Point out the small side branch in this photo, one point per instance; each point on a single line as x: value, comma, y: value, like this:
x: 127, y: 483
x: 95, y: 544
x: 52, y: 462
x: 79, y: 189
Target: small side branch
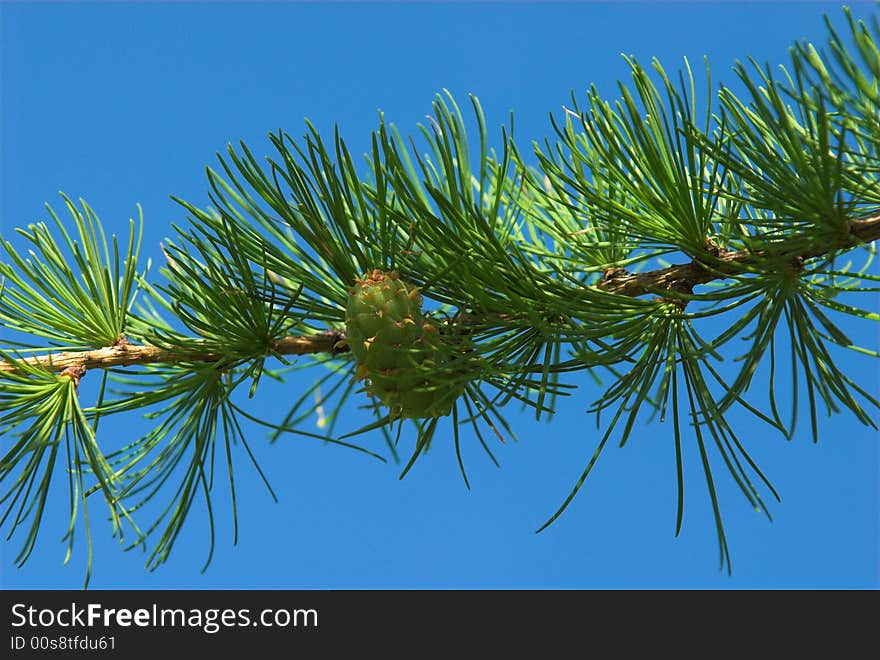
x: 126, y: 355
x: 862, y: 231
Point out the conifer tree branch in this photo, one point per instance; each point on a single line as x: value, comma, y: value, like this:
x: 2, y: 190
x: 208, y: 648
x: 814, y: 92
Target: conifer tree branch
x: 677, y: 277
x: 546, y: 267
x: 126, y: 355
x: 686, y: 276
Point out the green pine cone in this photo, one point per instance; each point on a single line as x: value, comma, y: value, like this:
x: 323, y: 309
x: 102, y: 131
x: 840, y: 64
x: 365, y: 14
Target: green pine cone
x: 395, y: 347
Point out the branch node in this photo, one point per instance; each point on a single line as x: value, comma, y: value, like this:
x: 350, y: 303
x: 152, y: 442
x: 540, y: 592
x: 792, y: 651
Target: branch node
x: 796, y: 266
x: 683, y: 286
x: 338, y: 342
x: 75, y: 373
x: 611, y: 274
x: 717, y: 251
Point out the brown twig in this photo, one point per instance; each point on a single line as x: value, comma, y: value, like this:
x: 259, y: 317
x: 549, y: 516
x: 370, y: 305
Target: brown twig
x: 125, y: 354
x: 726, y: 264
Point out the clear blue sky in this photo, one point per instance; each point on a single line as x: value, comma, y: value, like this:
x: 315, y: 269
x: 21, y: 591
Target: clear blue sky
x: 121, y: 104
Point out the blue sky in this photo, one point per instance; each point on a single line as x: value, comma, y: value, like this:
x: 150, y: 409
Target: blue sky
x: 123, y: 104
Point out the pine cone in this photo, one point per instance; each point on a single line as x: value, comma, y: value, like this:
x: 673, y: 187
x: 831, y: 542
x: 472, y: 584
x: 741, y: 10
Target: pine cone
x: 396, y: 348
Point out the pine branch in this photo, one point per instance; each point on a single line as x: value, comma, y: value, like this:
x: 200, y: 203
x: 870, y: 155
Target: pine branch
x: 748, y: 197
x: 125, y: 354
x: 679, y: 277
x: 687, y: 276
